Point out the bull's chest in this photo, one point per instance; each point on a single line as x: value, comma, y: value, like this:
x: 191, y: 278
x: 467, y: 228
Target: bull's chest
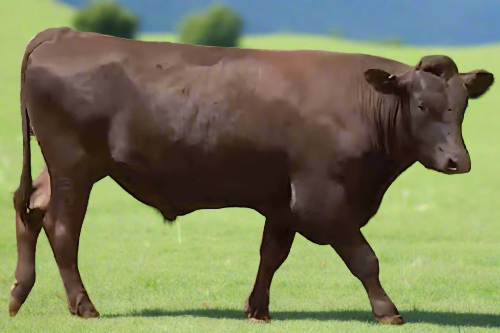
x: 365, y: 182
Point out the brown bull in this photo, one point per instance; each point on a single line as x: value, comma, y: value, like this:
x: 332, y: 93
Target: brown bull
x: 310, y: 139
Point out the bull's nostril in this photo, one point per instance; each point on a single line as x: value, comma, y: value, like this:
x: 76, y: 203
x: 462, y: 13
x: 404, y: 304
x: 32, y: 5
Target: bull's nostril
x: 452, y: 165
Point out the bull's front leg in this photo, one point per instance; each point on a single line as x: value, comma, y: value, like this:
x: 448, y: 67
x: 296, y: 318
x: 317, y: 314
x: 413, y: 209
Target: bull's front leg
x: 361, y: 260
x: 277, y: 240
x: 322, y: 215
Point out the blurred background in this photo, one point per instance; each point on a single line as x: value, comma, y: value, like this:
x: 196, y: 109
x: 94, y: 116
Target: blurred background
x: 423, y: 22
x: 437, y: 237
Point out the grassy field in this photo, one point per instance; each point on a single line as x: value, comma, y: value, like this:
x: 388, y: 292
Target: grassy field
x: 437, y: 237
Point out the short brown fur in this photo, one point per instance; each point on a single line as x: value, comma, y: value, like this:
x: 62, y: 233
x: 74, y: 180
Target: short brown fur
x: 310, y: 139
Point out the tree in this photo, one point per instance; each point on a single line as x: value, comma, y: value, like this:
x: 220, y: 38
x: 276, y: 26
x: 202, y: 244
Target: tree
x: 216, y: 26
x: 107, y: 17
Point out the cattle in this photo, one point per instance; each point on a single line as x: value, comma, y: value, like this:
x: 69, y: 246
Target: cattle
x: 310, y: 139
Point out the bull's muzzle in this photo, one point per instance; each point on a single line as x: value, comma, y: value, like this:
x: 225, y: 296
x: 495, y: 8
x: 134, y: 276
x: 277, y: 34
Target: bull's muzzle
x: 457, y: 163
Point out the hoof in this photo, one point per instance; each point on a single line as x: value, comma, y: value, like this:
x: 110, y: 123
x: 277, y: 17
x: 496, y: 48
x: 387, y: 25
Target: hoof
x: 394, y: 320
x: 260, y: 321
x: 86, y: 312
x: 90, y: 314
x: 14, y: 306
x: 84, y: 308
x: 18, y: 294
x: 256, y: 315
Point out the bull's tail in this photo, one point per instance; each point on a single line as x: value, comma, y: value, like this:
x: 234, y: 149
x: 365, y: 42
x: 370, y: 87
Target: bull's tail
x: 25, y: 190
x: 23, y: 193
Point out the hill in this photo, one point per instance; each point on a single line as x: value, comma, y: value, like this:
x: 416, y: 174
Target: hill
x: 423, y: 22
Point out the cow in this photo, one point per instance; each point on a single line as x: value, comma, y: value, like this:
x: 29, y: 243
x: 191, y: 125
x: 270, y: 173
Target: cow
x: 309, y: 139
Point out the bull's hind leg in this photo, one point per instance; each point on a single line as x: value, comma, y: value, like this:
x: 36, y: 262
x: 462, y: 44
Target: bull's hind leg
x: 359, y: 257
x: 27, y: 235
x: 275, y: 247
x: 73, y: 172
x: 63, y: 224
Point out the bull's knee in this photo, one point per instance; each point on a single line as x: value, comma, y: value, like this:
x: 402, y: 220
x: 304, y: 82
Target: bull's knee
x: 363, y: 263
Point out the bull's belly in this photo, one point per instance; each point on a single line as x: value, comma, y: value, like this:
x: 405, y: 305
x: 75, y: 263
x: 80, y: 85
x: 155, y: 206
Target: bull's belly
x: 180, y: 183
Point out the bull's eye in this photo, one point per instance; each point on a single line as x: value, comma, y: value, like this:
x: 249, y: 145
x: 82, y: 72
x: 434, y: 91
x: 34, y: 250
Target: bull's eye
x: 449, y: 110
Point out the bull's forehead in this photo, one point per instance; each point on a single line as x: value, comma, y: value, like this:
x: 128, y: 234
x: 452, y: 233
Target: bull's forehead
x: 427, y: 82
x: 457, y: 93
x: 430, y: 91
x: 437, y: 93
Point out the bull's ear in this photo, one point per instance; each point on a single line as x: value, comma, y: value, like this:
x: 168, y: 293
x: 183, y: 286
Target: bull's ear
x: 477, y: 82
x: 382, y: 81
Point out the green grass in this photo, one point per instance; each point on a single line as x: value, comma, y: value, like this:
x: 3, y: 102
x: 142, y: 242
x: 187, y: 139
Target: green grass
x: 437, y: 237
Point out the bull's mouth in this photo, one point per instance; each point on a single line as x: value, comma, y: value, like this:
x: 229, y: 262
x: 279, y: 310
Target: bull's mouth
x: 452, y: 165
x: 450, y: 168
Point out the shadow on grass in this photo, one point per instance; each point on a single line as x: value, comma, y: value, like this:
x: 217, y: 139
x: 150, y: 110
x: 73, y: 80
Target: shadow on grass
x: 412, y: 316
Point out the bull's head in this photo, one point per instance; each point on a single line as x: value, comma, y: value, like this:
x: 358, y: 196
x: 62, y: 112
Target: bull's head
x: 436, y: 96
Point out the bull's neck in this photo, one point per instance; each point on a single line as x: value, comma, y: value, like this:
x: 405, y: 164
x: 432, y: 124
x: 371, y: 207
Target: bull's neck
x: 388, y: 131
